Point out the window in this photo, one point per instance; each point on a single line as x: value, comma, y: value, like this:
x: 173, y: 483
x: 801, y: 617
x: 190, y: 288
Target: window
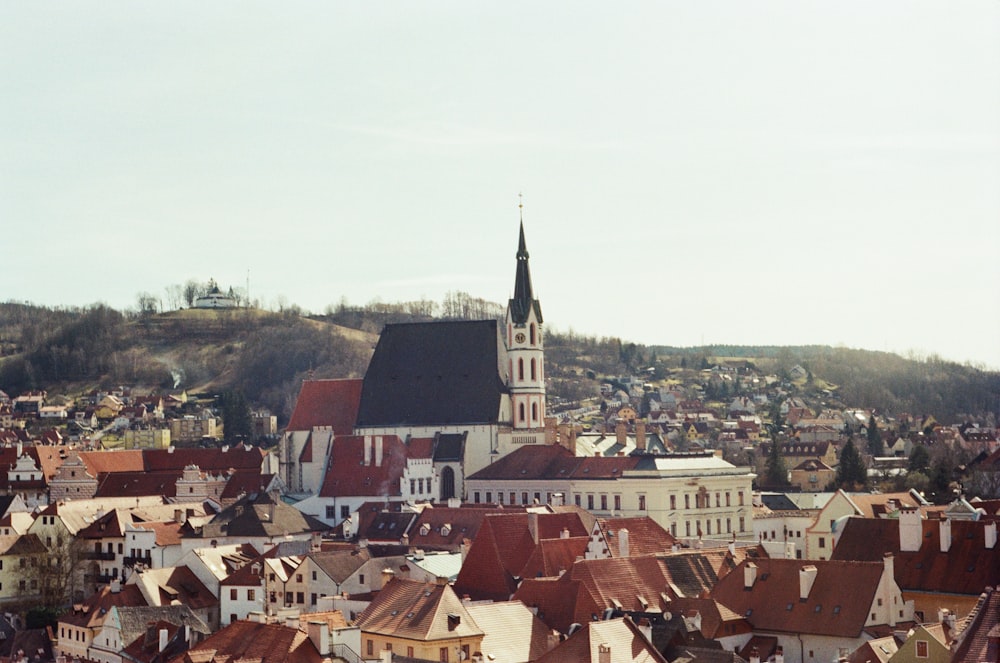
x: 345, y: 511
x: 361, y: 578
x: 687, y: 528
x: 642, y: 502
x: 489, y: 497
x: 604, y: 502
x: 413, y: 486
x: 673, y: 501
x: 298, y: 578
x: 921, y: 649
x: 312, y: 599
x: 520, y: 411
x: 500, y: 498
x: 251, y: 595
x: 524, y: 498
x: 233, y: 593
x: 409, y: 652
x: 729, y: 525
x: 687, y: 501
x: 533, y: 369
x: 370, y: 645
x: 741, y: 524
x: 513, y: 498
x: 300, y: 597
x: 577, y: 498
x: 534, y: 406
x: 718, y: 501
x: 727, y: 499
x: 740, y: 496
x: 532, y: 332
x: 822, y: 544
x: 618, y: 502
x: 443, y: 655
x: 475, y: 497
x: 590, y: 502
x: 520, y: 375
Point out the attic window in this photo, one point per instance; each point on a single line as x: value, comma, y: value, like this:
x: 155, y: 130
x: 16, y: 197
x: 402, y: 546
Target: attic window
x: 765, y: 576
x: 748, y: 612
x: 836, y: 609
x: 788, y: 607
x: 971, y: 568
x: 819, y: 606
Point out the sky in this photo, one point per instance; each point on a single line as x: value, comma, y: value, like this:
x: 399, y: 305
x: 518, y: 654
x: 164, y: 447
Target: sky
x: 721, y: 171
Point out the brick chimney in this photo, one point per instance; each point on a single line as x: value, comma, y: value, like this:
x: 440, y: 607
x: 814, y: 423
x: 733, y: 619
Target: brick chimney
x: 533, y: 526
x: 749, y: 575
x: 910, y: 529
x: 387, y: 576
x: 621, y: 432
x: 807, y: 576
x: 378, y: 451
x: 945, y: 528
x: 319, y: 633
x: 640, y: 435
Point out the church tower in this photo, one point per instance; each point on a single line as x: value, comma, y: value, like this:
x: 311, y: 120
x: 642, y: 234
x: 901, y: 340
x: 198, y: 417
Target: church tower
x: 525, y: 348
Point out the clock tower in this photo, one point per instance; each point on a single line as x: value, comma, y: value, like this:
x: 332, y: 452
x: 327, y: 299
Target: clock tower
x: 525, y: 348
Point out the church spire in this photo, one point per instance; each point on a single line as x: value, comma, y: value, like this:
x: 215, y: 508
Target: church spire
x: 523, y: 300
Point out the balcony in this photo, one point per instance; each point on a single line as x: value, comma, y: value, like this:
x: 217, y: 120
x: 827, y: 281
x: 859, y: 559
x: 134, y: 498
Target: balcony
x: 103, y: 556
x: 132, y: 561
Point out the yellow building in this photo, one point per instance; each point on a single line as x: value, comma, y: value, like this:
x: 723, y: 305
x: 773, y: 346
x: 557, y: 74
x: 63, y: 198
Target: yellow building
x: 419, y: 620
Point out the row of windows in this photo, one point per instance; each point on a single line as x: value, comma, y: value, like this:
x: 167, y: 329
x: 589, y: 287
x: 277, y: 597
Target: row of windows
x: 345, y: 511
x: 521, y: 412
x: 704, y: 528
x: 701, y: 501
x: 442, y: 652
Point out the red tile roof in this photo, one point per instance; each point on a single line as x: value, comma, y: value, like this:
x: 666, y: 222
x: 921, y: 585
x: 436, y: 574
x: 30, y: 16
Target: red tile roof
x: 645, y: 536
x: 966, y: 568
x: 332, y: 403
x: 348, y: 476
x: 773, y: 603
x: 250, y: 641
x: 417, y: 611
x: 547, y: 461
x: 93, y: 610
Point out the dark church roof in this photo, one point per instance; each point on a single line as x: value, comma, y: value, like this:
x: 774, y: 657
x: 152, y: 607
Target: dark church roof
x: 433, y: 373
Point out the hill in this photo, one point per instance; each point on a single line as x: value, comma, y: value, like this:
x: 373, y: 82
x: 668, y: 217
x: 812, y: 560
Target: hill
x: 266, y: 355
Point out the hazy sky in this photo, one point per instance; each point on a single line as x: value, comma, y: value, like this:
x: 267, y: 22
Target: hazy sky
x: 693, y: 172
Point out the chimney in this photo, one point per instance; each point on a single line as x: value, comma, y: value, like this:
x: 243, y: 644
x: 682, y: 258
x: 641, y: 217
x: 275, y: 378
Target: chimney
x: 551, y: 430
x: 623, y: 543
x: 164, y: 638
x: 116, y: 586
x: 604, y: 653
x: 564, y: 533
x: 368, y: 450
x: 779, y: 654
x: 179, y: 516
x: 910, y: 529
x: 564, y: 435
x: 385, y: 656
x: 754, y: 655
x: 558, y: 499
x: 749, y: 575
x: 620, y: 432
x: 319, y: 633
x: 387, y: 575
x: 640, y: 435
x: 533, y: 526
x: 646, y: 628
x: 945, y: 535
x: 454, y: 502
x: 990, y: 532
x: 378, y: 451
x: 807, y: 576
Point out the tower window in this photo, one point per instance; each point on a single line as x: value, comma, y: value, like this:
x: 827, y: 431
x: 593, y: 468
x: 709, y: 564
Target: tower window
x: 533, y: 370
x: 534, y: 411
x: 520, y: 369
x: 520, y: 409
x: 533, y: 341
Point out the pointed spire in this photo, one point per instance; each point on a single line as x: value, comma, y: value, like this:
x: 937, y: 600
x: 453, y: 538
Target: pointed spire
x: 523, y: 300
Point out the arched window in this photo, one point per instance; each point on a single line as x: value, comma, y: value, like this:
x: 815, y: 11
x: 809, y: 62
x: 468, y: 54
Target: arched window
x: 533, y: 341
x: 534, y: 411
x: 520, y: 369
x: 520, y: 411
x: 533, y: 370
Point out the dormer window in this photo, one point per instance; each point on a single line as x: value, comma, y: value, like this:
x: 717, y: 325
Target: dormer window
x: 446, y: 529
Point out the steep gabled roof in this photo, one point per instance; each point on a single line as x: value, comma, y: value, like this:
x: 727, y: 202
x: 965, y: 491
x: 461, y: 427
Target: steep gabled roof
x: 434, y: 373
x: 340, y: 564
x: 261, y: 514
x: 417, y: 611
x: 966, y: 568
x: 332, y: 403
x: 773, y: 603
x: 645, y: 536
x: 551, y: 461
x: 626, y: 643
x: 980, y: 640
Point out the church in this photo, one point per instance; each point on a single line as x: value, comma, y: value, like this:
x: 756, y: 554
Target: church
x: 439, y: 401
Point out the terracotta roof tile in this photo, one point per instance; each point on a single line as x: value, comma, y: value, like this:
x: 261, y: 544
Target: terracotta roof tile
x: 348, y: 476
x: 332, y: 403
x: 417, y: 611
x: 250, y: 641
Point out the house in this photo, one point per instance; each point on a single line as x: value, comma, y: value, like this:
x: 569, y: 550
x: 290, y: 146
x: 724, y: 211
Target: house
x: 23, y: 560
x: 176, y: 585
x: 78, y: 629
x: 262, y: 643
x: 124, y: 624
x: 878, y: 650
x: 803, y: 604
x: 694, y: 495
x: 610, y: 641
x: 260, y: 519
x: 590, y: 588
x: 419, y: 620
x: 940, y: 563
x: 510, y: 547
x: 513, y: 634
x: 811, y: 475
x: 925, y: 643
